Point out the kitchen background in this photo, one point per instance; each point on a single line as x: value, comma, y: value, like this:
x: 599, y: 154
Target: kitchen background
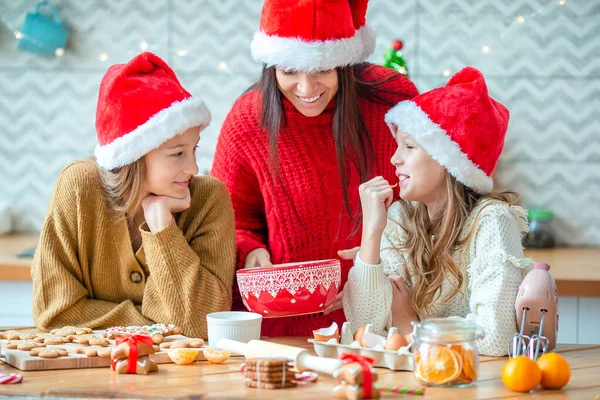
x: 541, y: 59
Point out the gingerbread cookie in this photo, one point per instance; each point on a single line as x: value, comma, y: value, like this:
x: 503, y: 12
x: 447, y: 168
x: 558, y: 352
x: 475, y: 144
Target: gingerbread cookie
x: 45, y: 352
x: 176, y: 344
x: 27, y: 345
x: 157, y: 332
x: 273, y: 377
x: 104, y: 352
x: 195, y: 343
x: 268, y: 373
x: 98, y: 341
x: 83, y: 331
x: 29, y: 336
x: 144, y: 366
x: 87, y: 351
x: 174, y: 330
x: 10, y: 335
x: 12, y: 344
x: 80, y: 339
x: 63, y: 332
x: 183, y: 344
x: 267, y: 363
x: 157, y: 337
x: 352, y: 392
x: 353, y: 374
x: 55, y: 340
x: 122, y: 351
x: 269, y: 385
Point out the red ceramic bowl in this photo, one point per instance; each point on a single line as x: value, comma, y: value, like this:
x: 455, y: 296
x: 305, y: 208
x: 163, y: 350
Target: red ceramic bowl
x: 290, y: 289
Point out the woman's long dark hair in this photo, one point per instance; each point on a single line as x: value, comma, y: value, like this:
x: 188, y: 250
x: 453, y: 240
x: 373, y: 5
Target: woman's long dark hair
x: 352, y: 138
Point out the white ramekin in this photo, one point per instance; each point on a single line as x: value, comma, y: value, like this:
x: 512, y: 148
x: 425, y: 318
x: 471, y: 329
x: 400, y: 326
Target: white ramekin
x: 235, y: 325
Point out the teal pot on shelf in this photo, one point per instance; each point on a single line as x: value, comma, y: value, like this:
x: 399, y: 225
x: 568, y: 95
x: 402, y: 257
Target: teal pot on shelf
x: 43, y: 31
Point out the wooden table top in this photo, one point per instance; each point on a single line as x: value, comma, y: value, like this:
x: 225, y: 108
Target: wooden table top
x: 226, y: 382
x: 575, y: 269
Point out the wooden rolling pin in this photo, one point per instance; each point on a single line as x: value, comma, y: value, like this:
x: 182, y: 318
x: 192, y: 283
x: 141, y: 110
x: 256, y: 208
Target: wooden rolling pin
x: 302, y: 358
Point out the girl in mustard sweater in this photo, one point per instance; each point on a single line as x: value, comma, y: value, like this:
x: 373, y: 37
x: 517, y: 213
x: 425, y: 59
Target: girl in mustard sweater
x: 134, y: 237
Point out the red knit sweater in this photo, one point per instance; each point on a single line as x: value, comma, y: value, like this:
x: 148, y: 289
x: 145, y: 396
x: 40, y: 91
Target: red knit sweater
x: 309, y: 174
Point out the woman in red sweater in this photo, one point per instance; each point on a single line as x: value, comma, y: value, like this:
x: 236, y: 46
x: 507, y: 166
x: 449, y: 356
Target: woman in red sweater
x: 295, y: 147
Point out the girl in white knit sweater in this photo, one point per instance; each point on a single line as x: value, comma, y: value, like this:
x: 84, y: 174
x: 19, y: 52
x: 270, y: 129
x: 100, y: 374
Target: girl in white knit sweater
x: 449, y: 247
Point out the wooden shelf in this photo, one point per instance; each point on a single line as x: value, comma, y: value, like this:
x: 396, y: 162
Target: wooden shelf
x: 575, y: 269
x: 12, y: 267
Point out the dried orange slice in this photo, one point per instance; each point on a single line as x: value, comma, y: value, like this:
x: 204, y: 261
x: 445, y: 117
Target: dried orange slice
x: 469, y: 364
x: 439, y: 365
x: 469, y: 370
x: 183, y: 356
x: 216, y: 356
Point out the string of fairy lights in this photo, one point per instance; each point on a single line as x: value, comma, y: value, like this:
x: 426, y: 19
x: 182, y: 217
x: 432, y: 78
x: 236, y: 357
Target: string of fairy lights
x: 105, y: 56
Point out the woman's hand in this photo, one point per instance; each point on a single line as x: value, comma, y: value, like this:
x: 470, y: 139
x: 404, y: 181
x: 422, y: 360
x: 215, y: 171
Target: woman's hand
x: 159, y: 210
x: 347, y: 254
x: 258, y: 258
x: 402, y: 310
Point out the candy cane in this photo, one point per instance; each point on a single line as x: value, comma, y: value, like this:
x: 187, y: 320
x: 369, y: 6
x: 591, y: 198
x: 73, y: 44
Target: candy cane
x: 12, y: 378
x: 307, y: 376
x: 416, y: 390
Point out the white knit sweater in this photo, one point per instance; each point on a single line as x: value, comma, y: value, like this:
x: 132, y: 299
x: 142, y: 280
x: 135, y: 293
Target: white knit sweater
x: 492, y: 265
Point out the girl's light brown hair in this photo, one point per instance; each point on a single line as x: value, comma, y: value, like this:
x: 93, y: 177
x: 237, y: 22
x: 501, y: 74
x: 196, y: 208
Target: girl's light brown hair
x: 123, y: 186
x: 429, y: 261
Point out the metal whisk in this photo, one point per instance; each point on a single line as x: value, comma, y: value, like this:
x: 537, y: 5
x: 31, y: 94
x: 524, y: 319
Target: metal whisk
x: 519, y: 343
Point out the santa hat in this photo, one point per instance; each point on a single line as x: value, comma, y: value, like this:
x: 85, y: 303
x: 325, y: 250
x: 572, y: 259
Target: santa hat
x: 141, y: 105
x: 459, y: 125
x: 313, y: 35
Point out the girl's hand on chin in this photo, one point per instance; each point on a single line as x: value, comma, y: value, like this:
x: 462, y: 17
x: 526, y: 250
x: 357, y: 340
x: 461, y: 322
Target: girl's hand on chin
x: 159, y: 210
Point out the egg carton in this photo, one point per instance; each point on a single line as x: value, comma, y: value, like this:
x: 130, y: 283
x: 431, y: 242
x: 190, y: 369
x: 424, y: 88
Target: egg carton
x: 401, y: 360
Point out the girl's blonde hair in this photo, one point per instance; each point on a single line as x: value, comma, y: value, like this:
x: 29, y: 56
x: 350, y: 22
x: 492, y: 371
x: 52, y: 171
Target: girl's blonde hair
x: 123, y: 186
x: 429, y: 261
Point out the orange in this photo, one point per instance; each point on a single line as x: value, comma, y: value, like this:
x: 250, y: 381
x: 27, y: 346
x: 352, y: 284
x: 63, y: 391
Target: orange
x: 183, y: 356
x: 439, y: 365
x: 216, y: 356
x: 521, y: 374
x: 555, y: 371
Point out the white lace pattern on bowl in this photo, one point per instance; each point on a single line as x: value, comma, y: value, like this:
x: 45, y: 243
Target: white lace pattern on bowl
x: 274, y: 281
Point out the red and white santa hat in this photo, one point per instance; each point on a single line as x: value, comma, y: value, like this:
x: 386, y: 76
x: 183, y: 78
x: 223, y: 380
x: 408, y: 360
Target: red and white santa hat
x: 459, y: 125
x: 141, y: 105
x: 313, y: 35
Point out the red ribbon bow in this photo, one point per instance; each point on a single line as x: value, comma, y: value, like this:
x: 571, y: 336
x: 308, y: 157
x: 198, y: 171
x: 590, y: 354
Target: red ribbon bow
x: 365, y: 364
x: 133, y: 341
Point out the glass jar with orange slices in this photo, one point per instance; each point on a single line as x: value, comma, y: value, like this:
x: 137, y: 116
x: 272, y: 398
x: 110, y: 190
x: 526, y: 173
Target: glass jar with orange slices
x: 445, y: 352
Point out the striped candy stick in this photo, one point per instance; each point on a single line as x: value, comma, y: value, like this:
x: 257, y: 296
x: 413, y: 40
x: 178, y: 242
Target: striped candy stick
x: 416, y: 390
x: 12, y: 378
